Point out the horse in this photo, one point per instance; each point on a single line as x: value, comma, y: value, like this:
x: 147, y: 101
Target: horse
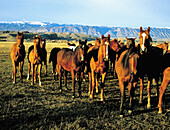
x: 126, y: 69
x: 164, y: 84
x: 44, y: 53
x: 71, y: 46
x: 70, y: 61
x: 35, y: 57
x: 17, y: 56
x: 163, y: 46
x: 149, y: 63
x: 53, y: 59
x: 97, y: 58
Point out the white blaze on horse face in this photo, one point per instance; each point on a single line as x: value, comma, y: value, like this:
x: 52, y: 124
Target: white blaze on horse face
x: 144, y: 36
x: 107, y: 51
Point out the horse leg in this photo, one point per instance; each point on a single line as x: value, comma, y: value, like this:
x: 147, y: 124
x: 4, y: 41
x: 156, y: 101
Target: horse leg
x: 161, y: 92
x: 29, y: 67
x: 102, y: 86
x: 14, y: 72
x: 65, y: 79
x: 35, y: 73
x: 60, y: 75
x: 97, y: 82
x: 80, y: 80
x: 39, y: 73
x: 149, y: 94
x: 90, y: 83
x: 122, y: 96
x: 73, y: 83
x: 141, y: 90
x: 131, y: 89
x: 45, y: 64
x: 93, y: 84
x: 21, y: 69
x: 32, y: 71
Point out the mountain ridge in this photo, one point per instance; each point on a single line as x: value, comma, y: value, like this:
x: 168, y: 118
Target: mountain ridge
x: 157, y: 33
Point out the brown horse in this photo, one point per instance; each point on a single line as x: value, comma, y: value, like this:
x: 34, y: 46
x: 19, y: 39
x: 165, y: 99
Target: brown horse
x: 97, y: 58
x: 70, y: 61
x: 17, y: 56
x: 166, y: 80
x: 35, y: 60
x: 164, y: 46
x: 150, y: 62
x: 44, y: 53
x: 126, y: 69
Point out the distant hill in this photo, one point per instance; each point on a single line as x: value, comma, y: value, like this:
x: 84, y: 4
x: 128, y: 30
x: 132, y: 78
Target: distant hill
x: 95, y: 31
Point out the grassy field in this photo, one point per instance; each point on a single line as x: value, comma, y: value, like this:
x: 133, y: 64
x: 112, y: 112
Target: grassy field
x: 23, y: 106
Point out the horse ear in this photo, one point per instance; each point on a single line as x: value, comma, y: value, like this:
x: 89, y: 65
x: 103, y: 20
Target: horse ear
x: 134, y: 38
x: 34, y: 36
x: 79, y: 40
x: 108, y: 36
x: 44, y: 38
x: 85, y: 40
x: 39, y: 36
x: 102, y: 36
x: 149, y: 29
x: 22, y: 33
x: 126, y: 38
x: 141, y: 30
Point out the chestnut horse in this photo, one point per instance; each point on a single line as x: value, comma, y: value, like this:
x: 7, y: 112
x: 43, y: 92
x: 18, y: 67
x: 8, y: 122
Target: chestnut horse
x: 70, y: 61
x: 97, y: 58
x: 126, y: 69
x: 35, y: 60
x: 17, y: 56
x: 44, y: 53
x: 149, y: 62
x: 166, y: 80
x: 164, y: 46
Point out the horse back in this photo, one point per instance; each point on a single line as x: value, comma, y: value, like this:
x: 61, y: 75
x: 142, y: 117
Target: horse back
x: 53, y: 55
x: 64, y: 58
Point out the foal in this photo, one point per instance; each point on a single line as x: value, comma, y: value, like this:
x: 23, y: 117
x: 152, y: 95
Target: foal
x: 35, y: 60
x: 17, y: 56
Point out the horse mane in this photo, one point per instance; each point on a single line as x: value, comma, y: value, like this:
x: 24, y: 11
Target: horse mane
x: 125, y: 60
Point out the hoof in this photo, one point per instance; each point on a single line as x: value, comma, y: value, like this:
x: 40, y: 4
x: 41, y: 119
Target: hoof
x: 40, y: 84
x: 148, y: 106
x: 121, y: 116
x: 130, y: 112
x: 84, y: 80
x: 101, y: 99
x: 13, y: 82
x: 91, y: 96
x: 140, y: 102
x: 73, y: 96
x: 159, y: 112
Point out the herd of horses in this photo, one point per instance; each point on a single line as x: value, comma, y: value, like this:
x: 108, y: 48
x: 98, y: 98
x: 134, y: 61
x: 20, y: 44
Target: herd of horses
x: 131, y: 63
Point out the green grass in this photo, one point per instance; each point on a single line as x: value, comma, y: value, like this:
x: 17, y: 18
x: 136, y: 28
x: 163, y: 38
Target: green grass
x: 23, y: 106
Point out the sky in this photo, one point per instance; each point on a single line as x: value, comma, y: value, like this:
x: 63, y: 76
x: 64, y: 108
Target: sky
x: 112, y: 13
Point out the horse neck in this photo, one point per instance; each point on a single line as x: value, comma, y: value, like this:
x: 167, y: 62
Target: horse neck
x: 101, y: 54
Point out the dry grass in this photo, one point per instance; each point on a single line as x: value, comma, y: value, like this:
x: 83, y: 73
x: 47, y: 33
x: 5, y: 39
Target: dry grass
x: 23, y: 106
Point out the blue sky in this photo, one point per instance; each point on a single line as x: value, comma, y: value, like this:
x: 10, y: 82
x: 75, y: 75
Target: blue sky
x: 121, y: 13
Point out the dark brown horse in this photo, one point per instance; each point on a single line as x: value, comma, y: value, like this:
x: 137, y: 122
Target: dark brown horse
x: 35, y: 60
x: 97, y: 59
x: 17, y: 56
x: 70, y: 61
x: 149, y: 62
x: 44, y: 53
x: 53, y: 59
x: 126, y: 69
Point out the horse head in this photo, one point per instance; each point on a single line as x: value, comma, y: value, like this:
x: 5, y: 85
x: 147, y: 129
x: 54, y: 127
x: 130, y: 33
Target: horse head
x: 79, y: 51
x: 105, y: 42
x: 144, y: 39
x: 97, y: 41
x: 20, y: 40
x: 43, y: 43
x: 130, y: 43
x: 36, y: 42
x: 114, y: 45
